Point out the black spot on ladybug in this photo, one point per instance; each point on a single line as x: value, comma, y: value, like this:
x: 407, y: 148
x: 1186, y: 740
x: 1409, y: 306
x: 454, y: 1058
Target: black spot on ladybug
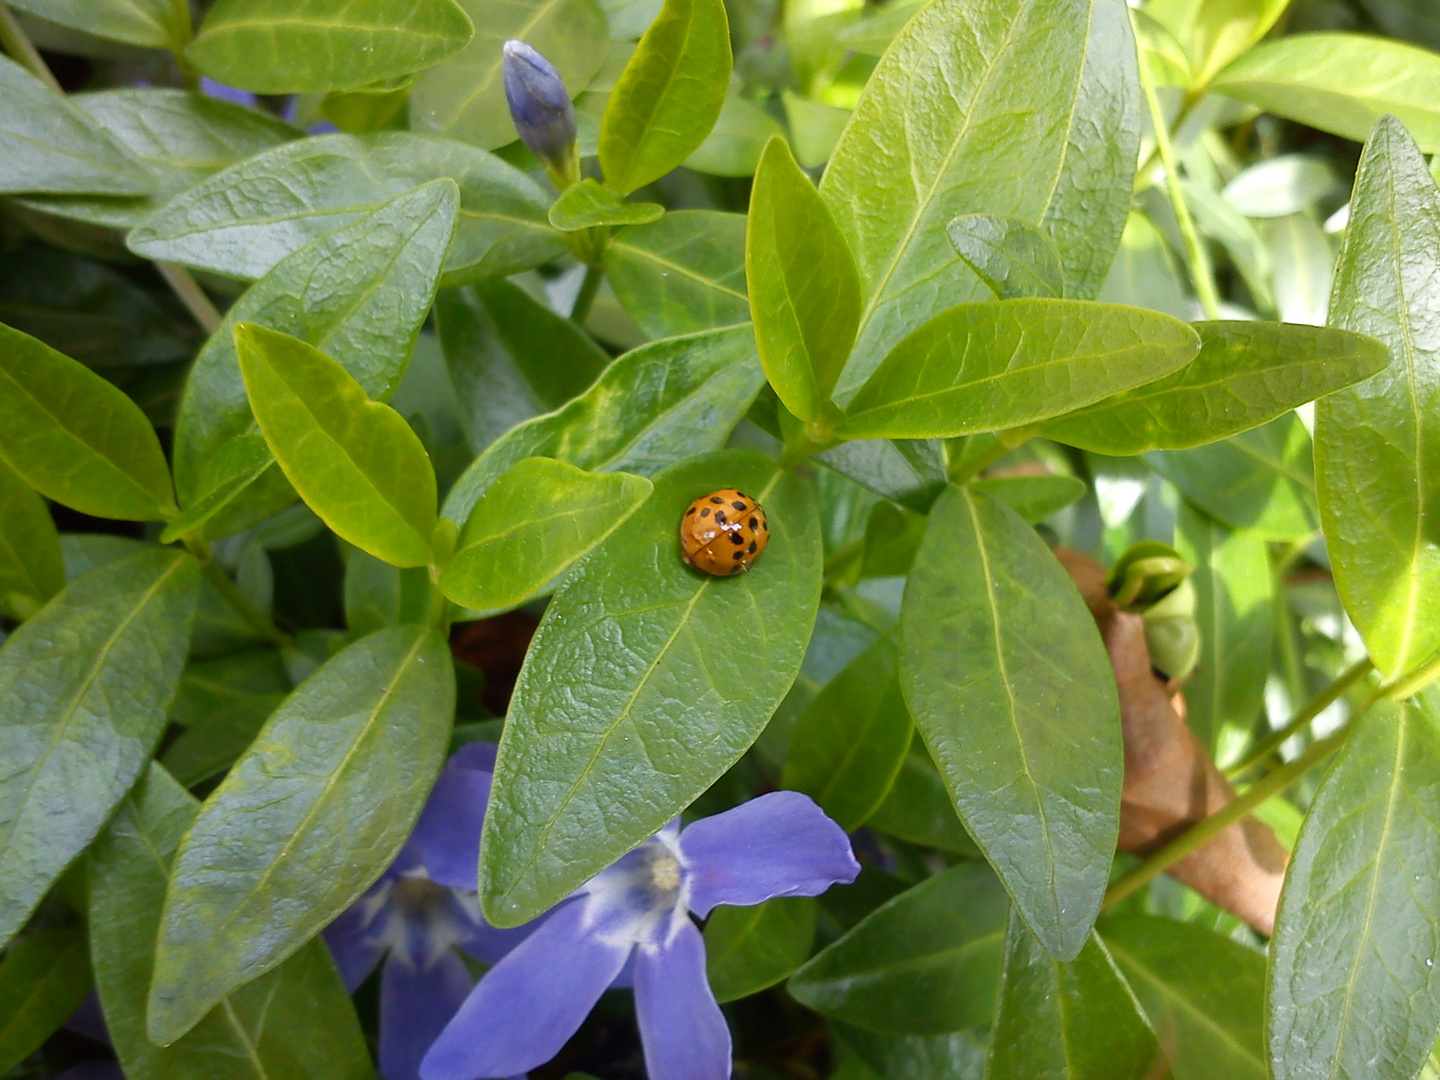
x: 703, y: 513
x: 736, y: 538
x: 737, y: 569
x: 742, y: 495
x: 716, y: 499
x: 752, y: 547
x: 692, y: 510
x: 754, y: 524
x: 720, y: 516
x: 740, y: 505
x: 738, y: 556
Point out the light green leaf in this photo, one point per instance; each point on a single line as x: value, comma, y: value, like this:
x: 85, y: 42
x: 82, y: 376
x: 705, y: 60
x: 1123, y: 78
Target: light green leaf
x: 992, y: 365
x: 1246, y: 374
x: 669, y: 95
x: 305, y: 822
x: 815, y: 127
x: 683, y: 273
x: 1279, y: 186
x: 149, y: 23
x: 354, y: 461
x: 1303, y: 267
x: 588, y: 204
x: 84, y: 688
x: 1034, y: 498
x: 1011, y: 688
x: 43, y: 979
x: 75, y: 438
x: 748, y: 949
x: 1226, y: 29
x: 308, y: 46
x: 737, y: 140
x: 31, y: 569
x: 1145, y: 274
x: 1014, y: 259
x: 237, y: 464
x: 222, y: 705
x: 644, y: 730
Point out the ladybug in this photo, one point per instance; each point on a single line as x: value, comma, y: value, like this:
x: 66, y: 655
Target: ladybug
x: 723, y: 533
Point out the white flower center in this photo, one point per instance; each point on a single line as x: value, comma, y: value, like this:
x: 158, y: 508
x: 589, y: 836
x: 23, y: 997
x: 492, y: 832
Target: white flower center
x: 643, y: 898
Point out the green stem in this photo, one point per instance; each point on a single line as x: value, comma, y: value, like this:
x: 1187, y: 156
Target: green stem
x: 586, y: 296
x: 1410, y: 685
x: 1312, y: 708
x: 22, y: 50
x: 237, y: 599
x: 188, y: 290
x: 1186, y: 108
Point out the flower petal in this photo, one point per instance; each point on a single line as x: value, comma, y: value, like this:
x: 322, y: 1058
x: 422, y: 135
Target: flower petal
x: 681, y: 1027
x: 211, y: 88
x: 447, y: 836
x: 415, y: 1005
x: 528, y: 1005
x: 780, y: 844
x: 355, y: 951
x: 474, y: 755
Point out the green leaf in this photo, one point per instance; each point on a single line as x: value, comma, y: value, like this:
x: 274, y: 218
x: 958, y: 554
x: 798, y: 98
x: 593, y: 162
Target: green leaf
x: 84, y: 688
x: 1280, y: 186
x: 683, y: 273
x: 354, y: 461
x: 148, y: 23
x: 236, y: 465
x: 1034, y: 498
x: 925, y: 963
x: 222, y: 705
x: 1378, y: 472
x: 305, y: 822
x: 1015, y: 260
x: 1246, y: 374
x: 848, y: 745
x: 49, y: 145
x: 244, y: 220
x: 1226, y: 29
x: 918, y: 809
x: 815, y: 127
x: 1032, y: 112
x: 737, y: 140
x: 75, y: 438
x: 646, y: 729
x: 669, y: 95
x: 1145, y: 274
x: 1011, y: 688
x: 464, y: 96
x: 31, y: 569
x: 992, y: 365
x: 1353, y: 980
x: 589, y: 203
x: 308, y: 46
x: 43, y: 979
x: 1204, y: 995
x: 655, y: 404
x: 1066, y: 1021
x: 378, y: 595
x: 910, y: 471
x: 1341, y: 83
x: 293, y: 1023
x: 803, y: 284
x: 871, y: 1056
x: 748, y: 949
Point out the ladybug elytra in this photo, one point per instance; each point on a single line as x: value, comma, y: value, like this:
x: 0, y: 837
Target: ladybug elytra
x: 723, y: 533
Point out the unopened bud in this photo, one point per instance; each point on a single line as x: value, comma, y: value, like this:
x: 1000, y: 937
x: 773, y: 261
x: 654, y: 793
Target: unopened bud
x: 541, y: 109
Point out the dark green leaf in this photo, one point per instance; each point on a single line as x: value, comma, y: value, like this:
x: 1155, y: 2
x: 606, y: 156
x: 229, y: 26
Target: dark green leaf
x: 222, y: 705
x: 1015, y: 260
x: 683, y: 273
x: 748, y: 949
x: 378, y: 595
x: 918, y: 808
x: 31, y: 569
x: 588, y: 204
x: 910, y: 471
x: 957, y: 1056
x: 43, y: 979
x: 151, y: 23
x: 1034, y: 498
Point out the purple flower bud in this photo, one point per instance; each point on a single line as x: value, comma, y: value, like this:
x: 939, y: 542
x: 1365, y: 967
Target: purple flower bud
x: 541, y: 109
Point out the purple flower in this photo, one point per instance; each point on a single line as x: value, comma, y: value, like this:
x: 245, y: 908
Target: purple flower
x: 540, y: 106
x: 211, y: 88
x: 631, y: 925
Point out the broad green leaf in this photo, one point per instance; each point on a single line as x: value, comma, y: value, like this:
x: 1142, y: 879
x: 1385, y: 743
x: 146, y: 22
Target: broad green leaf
x: 737, y: 140
x: 293, y: 1023
x: 464, y: 96
x: 1015, y: 260
x: 75, y: 438
x: 925, y: 963
x: 378, y: 595
x: 683, y: 273
x: 815, y: 127
x: 1011, y: 689
x: 1262, y: 480
x: 1203, y: 994
x: 1246, y: 374
x: 222, y: 704
x: 848, y: 745
x: 588, y: 204
x: 306, y: 46
x: 918, y: 808
x: 245, y: 219
x: 43, y: 979
x: 1353, y: 979
x: 1031, y: 113
x: 748, y: 949
x: 354, y: 461
x: 149, y: 23
x: 603, y: 746
x: 910, y: 471
x: 1279, y: 186
x: 993, y: 364
x: 669, y: 95
x: 84, y: 688
x: 803, y: 285
x: 533, y: 524
x: 1377, y: 470
x: 655, y: 404
x: 892, y: 536
x: 49, y: 145
x: 1145, y: 274
x: 1226, y: 29
x: 1034, y: 498
x: 305, y: 822
x: 1232, y: 582
x: 237, y: 464
x: 31, y: 569
x: 957, y: 1056
x: 1075, y: 1020
x: 1341, y: 83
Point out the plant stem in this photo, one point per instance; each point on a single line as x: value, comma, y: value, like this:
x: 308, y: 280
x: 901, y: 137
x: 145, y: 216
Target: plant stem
x: 217, y: 576
x: 22, y: 49
x: 1312, y: 708
x: 586, y: 296
x: 188, y: 290
x: 1409, y: 685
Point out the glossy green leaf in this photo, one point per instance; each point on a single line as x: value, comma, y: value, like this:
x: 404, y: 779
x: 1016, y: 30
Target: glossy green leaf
x: 533, y: 524
x: 1011, y: 688
x: 910, y: 471
x: 869, y: 1055
x: 378, y: 595
x: 1203, y: 994
x: 84, y: 688
x: 1034, y: 498
x: 803, y: 284
x: 669, y: 95
x: 305, y: 822
x: 815, y: 127
x: 305, y: 46
x: 150, y: 23
x: 683, y: 273
x: 1353, y: 979
x: 644, y: 730
x: 43, y: 979
x: 222, y: 704
x: 748, y: 949
x: 31, y: 569
x: 1226, y: 29
x: 737, y: 140
x: 992, y: 365
x: 589, y: 204
x: 925, y: 963
x: 1377, y: 471
x: 1075, y: 1020
x: 1014, y: 259
x: 1246, y: 374
x: 293, y: 1023
x: 245, y: 219
x: 75, y: 438
x: 236, y: 465
x: 354, y: 461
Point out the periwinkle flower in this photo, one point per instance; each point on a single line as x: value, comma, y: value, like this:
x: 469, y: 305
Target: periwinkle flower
x: 218, y: 90
x: 540, y: 106
x: 631, y: 925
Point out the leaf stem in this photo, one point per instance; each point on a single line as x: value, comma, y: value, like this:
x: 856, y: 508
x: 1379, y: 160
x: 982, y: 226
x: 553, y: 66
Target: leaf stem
x: 1409, y: 685
x: 256, y: 618
x: 585, y: 298
x: 18, y: 44
x: 188, y: 290
x: 1311, y: 709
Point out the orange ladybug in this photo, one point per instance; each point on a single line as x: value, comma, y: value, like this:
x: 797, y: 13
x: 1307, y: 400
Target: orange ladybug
x: 723, y: 533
